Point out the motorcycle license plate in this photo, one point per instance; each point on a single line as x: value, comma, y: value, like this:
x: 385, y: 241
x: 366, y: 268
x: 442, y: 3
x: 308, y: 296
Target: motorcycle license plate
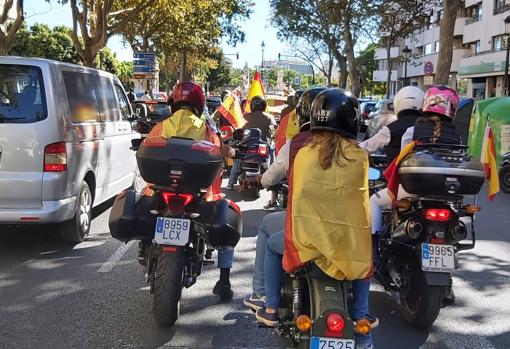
x: 172, y: 231
x: 230, y: 162
x: 438, y: 258
x: 331, y: 343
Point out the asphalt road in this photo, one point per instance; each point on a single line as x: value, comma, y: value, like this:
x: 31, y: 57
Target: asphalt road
x: 93, y: 295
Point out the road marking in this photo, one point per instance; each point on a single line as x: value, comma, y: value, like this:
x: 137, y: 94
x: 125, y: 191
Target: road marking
x: 114, y: 258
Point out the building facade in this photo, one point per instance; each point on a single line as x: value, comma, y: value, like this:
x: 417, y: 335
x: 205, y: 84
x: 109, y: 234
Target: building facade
x: 478, y: 62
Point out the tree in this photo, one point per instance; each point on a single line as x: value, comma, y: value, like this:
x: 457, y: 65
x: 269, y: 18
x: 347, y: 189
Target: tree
x: 316, y: 54
x: 42, y: 41
x: 398, y: 20
x: 9, y: 27
x: 367, y: 65
x: 221, y: 74
x: 447, y: 28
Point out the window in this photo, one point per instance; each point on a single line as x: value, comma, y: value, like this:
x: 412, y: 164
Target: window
x: 477, y: 46
x: 439, y: 15
x: 81, y: 97
x: 499, y: 42
x: 22, y: 98
x: 428, y: 22
x: 436, y: 46
x: 107, y: 100
x: 123, y: 103
x: 428, y: 49
x: 501, y: 6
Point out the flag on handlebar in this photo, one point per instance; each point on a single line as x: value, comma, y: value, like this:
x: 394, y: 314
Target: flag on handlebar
x: 231, y: 111
x: 256, y: 89
x: 490, y: 165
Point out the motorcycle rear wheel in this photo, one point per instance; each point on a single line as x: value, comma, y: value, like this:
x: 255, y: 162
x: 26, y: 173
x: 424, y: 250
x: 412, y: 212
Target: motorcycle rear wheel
x: 419, y: 302
x: 168, y: 287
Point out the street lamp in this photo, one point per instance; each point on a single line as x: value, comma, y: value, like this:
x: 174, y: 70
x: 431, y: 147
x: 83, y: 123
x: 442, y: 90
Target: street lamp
x: 507, y: 32
x: 406, y: 51
x: 262, y: 46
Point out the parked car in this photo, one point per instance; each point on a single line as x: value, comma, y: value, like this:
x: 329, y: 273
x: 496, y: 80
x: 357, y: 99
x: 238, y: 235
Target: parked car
x: 65, y: 135
x: 366, y: 108
x: 156, y: 110
x: 382, y: 115
x: 213, y: 103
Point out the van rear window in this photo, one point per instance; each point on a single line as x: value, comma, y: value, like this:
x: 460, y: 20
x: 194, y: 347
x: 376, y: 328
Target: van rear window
x: 22, y: 98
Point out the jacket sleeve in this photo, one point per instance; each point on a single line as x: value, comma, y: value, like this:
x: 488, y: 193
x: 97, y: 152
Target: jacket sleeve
x: 378, y: 141
x: 278, y: 169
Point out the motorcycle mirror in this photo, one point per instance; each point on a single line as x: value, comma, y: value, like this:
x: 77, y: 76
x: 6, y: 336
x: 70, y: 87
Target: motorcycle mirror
x: 373, y: 174
x: 135, y: 143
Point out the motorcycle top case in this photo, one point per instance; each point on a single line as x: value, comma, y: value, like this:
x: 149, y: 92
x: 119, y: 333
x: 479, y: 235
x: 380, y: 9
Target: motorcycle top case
x: 179, y: 163
x: 441, y: 172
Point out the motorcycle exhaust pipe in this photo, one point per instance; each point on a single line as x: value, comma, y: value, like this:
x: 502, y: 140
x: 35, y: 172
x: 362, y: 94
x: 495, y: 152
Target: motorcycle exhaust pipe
x: 410, y: 229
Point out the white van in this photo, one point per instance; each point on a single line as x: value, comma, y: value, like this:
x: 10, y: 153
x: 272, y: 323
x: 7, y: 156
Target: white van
x: 65, y: 135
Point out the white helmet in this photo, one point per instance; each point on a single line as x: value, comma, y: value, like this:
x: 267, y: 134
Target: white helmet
x: 409, y: 97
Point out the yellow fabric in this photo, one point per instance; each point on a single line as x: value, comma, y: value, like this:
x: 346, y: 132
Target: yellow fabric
x: 292, y: 125
x: 184, y: 124
x: 256, y: 89
x: 330, y: 213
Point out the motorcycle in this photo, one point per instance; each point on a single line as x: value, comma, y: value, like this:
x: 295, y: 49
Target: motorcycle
x: 177, y: 226
x: 253, y: 154
x: 416, y: 252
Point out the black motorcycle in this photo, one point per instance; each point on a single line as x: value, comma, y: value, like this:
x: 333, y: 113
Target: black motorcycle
x: 253, y: 153
x: 415, y: 254
x: 177, y: 227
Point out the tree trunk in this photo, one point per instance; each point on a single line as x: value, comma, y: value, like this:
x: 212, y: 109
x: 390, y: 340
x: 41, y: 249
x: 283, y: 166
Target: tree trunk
x: 182, y: 73
x: 351, y: 60
x: 8, y: 36
x: 388, y: 63
x: 447, y: 28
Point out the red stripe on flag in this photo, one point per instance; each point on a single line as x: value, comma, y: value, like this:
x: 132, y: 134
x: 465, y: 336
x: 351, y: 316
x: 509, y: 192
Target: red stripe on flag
x: 228, y: 115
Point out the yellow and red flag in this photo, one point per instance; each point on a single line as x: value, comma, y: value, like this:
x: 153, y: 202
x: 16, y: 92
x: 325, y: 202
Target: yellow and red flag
x: 256, y: 89
x: 231, y: 111
x: 391, y: 172
x: 490, y: 165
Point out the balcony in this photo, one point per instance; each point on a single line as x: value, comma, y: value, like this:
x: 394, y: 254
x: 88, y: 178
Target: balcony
x: 382, y: 75
x: 473, y: 19
x: 380, y: 53
x: 482, y: 62
x: 459, y: 26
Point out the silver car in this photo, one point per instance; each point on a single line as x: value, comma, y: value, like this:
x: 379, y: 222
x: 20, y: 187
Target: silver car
x: 65, y: 135
x: 382, y: 115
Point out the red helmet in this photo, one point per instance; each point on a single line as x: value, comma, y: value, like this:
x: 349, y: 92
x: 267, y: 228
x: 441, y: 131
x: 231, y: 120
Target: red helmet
x: 189, y: 93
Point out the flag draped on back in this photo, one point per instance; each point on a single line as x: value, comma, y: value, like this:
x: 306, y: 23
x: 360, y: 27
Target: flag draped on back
x: 488, y: 159
x: 256, y: 89
x: 231, y: 111
x: 391, y: 172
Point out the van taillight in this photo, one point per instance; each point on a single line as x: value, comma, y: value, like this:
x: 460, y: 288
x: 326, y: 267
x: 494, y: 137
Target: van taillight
x: 55, y: 157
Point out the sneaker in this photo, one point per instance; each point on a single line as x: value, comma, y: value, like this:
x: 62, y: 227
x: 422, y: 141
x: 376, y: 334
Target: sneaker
x: 223, y: 290
x: 230, y: 186
x: 271, y: 205
x: 268, y: 319
x: 254, y: 302
x: 365, y: 346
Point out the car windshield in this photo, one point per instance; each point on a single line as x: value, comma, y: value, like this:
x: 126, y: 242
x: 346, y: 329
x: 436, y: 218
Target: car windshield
x: 158, y: 110
x: 22, y: 97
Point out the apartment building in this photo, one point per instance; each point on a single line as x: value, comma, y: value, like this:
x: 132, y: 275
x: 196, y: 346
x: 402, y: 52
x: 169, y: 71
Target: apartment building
x: 478, y: 63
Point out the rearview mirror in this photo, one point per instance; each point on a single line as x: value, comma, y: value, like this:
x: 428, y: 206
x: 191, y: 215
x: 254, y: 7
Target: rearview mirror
x: 373, y: 174
x: 140, y: 110
x: 135, y: 143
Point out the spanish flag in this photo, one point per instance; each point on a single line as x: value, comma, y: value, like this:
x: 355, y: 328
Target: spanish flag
x: 488, y: 159
x: 231, y: 111
x: 391, y: 172
x: 256, y: 89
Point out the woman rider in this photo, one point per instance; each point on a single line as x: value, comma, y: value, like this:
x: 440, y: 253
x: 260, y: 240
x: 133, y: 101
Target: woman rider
x: 326, y: 168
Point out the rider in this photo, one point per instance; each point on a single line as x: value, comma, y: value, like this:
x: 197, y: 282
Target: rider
x: 274, y: 222
x: 408, y: 102
x: 326, y: 167
x: 257, y: 118
x: 436, y: 126
x: 187, y: 108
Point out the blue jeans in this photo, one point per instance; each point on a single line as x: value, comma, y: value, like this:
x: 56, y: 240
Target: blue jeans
x: 271, y: 224
x: 234, y: 172
x: 225, y: 257
x: 273, y: 281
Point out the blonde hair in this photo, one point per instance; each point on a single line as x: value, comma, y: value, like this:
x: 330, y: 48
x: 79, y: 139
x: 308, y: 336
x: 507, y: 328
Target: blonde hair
x: 331, y: 148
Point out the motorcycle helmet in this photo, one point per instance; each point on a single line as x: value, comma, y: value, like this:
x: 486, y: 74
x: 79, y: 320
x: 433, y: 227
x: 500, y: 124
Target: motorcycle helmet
x: 304, y: 105
x: 333, y: 110
x: 298, y: 95
x: 258, y: 103
x: 441, y: 100
x: 188, y: 93
x: 408, y: 98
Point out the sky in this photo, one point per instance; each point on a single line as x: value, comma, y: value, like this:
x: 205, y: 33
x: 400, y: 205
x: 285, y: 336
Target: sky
x: 257, y: 29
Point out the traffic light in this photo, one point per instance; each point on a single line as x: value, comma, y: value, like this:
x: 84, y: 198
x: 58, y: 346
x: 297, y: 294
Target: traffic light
x: 237, y: 55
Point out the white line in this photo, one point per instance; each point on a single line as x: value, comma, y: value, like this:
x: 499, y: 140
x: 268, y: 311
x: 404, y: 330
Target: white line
x: 114, y: 258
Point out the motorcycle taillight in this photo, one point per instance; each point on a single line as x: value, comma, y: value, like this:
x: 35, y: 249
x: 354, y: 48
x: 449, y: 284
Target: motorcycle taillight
x: 262, y: 150
x: 176, y: 202
x: 438, y: 214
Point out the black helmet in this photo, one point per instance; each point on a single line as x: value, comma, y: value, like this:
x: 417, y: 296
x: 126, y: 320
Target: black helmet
x: 224, y: 94
x: 333, y: 110
x: 258, y: 103
x: 298, y: 95
x: 304, y: 106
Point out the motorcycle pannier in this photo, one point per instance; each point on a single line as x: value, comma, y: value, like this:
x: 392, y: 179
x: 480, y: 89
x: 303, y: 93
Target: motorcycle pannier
x: 181, y: 164
x: 441, y: 172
